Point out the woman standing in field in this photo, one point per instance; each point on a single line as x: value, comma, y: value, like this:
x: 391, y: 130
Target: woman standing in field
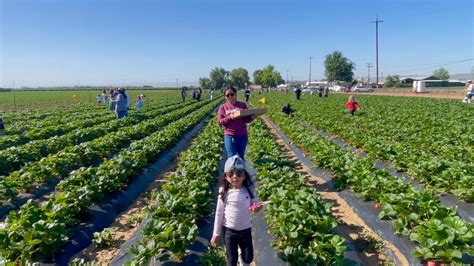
x: 352, y: 105
x: 112, y: 96
x: 121, y: 108
x: 183, y: 94
x: 235, y: 128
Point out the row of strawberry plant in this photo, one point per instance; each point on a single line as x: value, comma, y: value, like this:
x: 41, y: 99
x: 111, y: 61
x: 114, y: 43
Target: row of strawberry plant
x: 436, y: 173
x: 415, y: 213
x: 24, y: 124
x: 456, y: 177
x: 39, y: 133
x: 296, y: 215
x: 36, y: 115
x: 58, y: 128
x: 182, y: 201
x: 24, y: 129
x: 36, y: 232
x: 15, y: 157
x: 445, y: 176
x: 438, y: 127
x: 59, y: 165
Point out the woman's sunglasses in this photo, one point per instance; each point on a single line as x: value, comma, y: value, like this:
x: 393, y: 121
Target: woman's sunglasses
x: 229, y: 94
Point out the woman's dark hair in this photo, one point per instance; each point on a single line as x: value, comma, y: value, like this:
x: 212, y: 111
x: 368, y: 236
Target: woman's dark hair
x: 232, y: 88
x: 247, y: 183
x: 122, y: 91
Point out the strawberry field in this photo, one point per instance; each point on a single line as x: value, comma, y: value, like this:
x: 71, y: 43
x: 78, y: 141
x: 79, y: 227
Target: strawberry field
x: 404, y: 166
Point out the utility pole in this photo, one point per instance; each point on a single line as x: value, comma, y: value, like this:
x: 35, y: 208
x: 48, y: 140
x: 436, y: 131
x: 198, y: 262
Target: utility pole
x: 377, y: 21
x: 369, y: 65
x: 177, y: 83
x: 286, y: 78
x: 309, y: 81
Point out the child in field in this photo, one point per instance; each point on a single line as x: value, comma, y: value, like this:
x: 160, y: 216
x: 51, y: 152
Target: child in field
x: 235, y: 202
x: 139, y: 103
x: 352, y: 105
x: 99, y: 98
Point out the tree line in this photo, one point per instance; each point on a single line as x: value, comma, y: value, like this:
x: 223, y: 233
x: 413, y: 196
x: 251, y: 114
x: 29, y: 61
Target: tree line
x: 338, y: 68
x: 219, y: 77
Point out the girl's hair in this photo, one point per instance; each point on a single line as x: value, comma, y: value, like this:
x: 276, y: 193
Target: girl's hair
x: 351, y: 98
x: 247, y: 183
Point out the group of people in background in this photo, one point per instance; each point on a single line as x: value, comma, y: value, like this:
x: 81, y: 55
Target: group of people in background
x: 119, y: 101
x: 196, y: 94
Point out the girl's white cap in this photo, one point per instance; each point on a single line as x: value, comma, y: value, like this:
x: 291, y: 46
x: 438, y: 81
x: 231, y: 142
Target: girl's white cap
x: 234, y: 162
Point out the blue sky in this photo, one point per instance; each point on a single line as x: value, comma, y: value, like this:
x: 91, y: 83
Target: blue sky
x: 105, y: 42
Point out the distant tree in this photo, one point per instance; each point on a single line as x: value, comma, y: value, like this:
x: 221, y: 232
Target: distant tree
x: 267, y: 77
x: 239, y: 76
x: 219, y: 77
x: 338, y: 67
x: 257, y: 77
x: 205, y: 83
x: 441, y: 73
x: 392, y: 81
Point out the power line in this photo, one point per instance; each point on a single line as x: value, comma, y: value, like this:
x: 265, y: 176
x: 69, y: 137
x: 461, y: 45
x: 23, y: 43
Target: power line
x: 430, y: 67
x: 430, y: 64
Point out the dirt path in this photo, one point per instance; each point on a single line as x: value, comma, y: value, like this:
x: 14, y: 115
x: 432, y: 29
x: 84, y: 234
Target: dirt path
x: 126, y: 223
x: 350, y: 225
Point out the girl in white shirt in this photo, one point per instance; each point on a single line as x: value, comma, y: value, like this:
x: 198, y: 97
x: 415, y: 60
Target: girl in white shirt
x: 235, y: 202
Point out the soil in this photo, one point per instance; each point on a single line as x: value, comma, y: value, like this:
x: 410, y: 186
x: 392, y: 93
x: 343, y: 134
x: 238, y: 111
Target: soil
x: 125, y: 228
x: 350, y: 225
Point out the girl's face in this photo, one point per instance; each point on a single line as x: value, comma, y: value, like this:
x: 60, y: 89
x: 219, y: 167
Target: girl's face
x: 235, y: 178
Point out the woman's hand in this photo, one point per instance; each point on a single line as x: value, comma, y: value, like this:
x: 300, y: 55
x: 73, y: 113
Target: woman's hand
x: 214, y: 240
x: 233, y: 114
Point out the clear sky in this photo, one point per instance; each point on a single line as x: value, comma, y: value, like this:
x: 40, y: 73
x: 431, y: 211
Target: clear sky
x: 105, y: 42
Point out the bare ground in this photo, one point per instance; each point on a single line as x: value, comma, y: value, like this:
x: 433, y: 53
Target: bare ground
x: 351, y: 226
x: 125, y: 225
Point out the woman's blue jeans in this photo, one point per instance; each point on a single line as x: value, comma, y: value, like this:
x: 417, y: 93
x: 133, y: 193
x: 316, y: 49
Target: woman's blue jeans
x: 235, y: 145
x: 122, y: 114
